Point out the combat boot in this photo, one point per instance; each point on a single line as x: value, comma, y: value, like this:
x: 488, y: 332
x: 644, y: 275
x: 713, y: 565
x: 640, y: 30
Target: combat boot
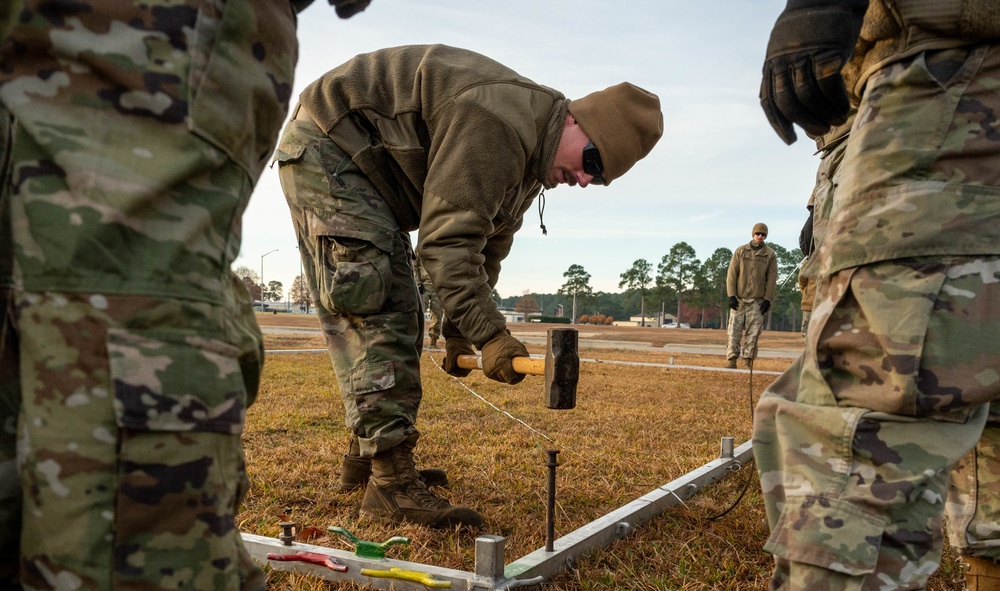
x: 396, y: 493
x: 982, y: 574
x: 747, y: 362
x: 355, y: 470
x: 731, y: 364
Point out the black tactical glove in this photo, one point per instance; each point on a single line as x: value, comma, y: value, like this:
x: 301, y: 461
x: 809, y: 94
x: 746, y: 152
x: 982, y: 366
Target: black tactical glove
x: 453, y: 347
x: 734, y: 303
x: 810, y: 43
x: 806, y: 236
x: 498, y: 354
x: 765, y: 305
x: 348, y: 8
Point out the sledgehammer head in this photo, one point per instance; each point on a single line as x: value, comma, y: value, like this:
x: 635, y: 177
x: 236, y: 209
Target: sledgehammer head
x: 562, y: 368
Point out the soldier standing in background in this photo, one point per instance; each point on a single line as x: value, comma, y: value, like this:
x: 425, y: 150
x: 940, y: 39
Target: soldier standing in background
x: 428, y: 296
x: 807, y: 287
x: 750, y: 283
x: 890, y: 420
x: 132, y: 135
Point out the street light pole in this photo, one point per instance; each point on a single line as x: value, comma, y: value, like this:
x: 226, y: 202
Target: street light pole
x: 302, y: 295
x: 262, y: 284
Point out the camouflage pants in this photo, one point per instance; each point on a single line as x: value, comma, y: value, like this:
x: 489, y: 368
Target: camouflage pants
x: 429, y: 300
x: 437, y: 312
x: 358, y: 264
x: 745, y: 325
x: 856, y: 442
x: 129, y: 352
x: 806, y: 317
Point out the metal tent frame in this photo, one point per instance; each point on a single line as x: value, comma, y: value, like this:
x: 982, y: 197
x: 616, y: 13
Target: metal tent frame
x: 491, y: 571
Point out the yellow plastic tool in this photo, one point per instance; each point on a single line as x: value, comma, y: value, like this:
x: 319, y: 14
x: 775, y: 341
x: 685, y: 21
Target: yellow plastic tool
x: 407, y: 575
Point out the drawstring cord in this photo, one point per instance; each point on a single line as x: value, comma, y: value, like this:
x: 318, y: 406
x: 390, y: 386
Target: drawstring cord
x: 541, y: 210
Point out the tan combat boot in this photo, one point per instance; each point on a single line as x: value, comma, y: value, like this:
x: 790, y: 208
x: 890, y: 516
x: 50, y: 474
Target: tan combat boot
x: 731, y: 364
x: 355, y: 470
x: 396, y: 493
x: 982, y: 574
x: 747, y: 362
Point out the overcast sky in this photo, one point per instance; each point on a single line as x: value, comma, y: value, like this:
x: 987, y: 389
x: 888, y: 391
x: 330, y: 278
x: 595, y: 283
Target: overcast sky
x: 718, y: 169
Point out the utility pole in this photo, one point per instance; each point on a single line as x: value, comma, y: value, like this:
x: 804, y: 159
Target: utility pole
x: 263, y: 285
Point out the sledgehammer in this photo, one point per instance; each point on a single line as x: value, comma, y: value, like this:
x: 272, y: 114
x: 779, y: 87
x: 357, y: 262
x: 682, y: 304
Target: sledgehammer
x: 561, y: 367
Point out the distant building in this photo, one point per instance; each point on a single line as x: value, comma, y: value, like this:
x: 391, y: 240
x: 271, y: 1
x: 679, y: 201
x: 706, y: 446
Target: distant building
x: 652, y: 320
x: 511, y: 316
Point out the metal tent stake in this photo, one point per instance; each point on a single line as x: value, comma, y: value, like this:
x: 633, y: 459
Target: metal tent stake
x: 550, y: 508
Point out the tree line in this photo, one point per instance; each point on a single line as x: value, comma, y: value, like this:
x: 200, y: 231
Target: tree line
x: 693, y: 291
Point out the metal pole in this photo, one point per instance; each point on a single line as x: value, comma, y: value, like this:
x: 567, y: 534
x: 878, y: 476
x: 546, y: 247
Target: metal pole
x: 550, y: 509
x: 262, y: 284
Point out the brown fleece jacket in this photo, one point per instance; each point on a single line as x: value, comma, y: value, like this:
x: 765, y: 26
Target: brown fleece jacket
x: 459, y: 146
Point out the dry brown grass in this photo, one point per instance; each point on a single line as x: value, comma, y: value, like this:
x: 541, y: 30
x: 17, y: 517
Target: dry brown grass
x: 634, y: 428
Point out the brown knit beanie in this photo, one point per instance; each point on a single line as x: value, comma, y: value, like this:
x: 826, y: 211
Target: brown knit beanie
x: 759, y: 227
x: 624, y: 122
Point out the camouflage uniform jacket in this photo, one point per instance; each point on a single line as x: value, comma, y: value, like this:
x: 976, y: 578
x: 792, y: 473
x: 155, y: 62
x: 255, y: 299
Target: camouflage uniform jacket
x: 459, y: 146
x: 896, y: 213
x: 753, y: 273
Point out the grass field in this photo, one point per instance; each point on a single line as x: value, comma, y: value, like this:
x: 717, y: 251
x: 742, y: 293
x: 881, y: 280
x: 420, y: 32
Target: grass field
x: 634, y: 429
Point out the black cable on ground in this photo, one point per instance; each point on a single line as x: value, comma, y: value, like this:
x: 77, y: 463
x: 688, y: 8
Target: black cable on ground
x: 746, y: 483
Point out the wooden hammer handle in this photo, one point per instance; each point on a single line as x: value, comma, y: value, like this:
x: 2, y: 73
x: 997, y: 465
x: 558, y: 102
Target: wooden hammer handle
x: 525, y: 365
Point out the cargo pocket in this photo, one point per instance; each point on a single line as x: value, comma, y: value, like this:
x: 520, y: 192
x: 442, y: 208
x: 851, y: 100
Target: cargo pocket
x: 373, y: 377
x: 179, y: 406
x: 829, y: 533
x: 288, y: 152
x: 353, y: 269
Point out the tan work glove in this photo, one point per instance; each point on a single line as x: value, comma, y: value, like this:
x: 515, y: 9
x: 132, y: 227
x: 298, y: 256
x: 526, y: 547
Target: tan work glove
x: 498, y: 354
x: 453, y: 347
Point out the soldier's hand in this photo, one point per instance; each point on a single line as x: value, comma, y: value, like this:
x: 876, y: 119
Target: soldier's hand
x: 809, y: 45
x: 498, y: 358
x: 453, y: 347
x: 734, y: 303
x: 765, y: 305
x: 806, y: 235
x: 348, y: 8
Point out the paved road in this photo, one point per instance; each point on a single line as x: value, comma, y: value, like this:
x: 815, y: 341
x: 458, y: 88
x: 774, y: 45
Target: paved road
x: 586, y: 343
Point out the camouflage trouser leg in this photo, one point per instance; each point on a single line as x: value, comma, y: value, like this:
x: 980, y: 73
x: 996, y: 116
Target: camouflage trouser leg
x: 139, y: 133
x: 745, y: 325
x: 973, y: 509
x: 855, y: 442
x: 10, y: 388
x: 132, y: 405
x: 358, y: 265
x: 437, y: 312
x: 806, y: 315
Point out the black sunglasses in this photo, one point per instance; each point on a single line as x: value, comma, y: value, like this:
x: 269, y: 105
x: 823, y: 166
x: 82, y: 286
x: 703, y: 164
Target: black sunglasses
x: 760, y: 234
x: 592, y: 164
